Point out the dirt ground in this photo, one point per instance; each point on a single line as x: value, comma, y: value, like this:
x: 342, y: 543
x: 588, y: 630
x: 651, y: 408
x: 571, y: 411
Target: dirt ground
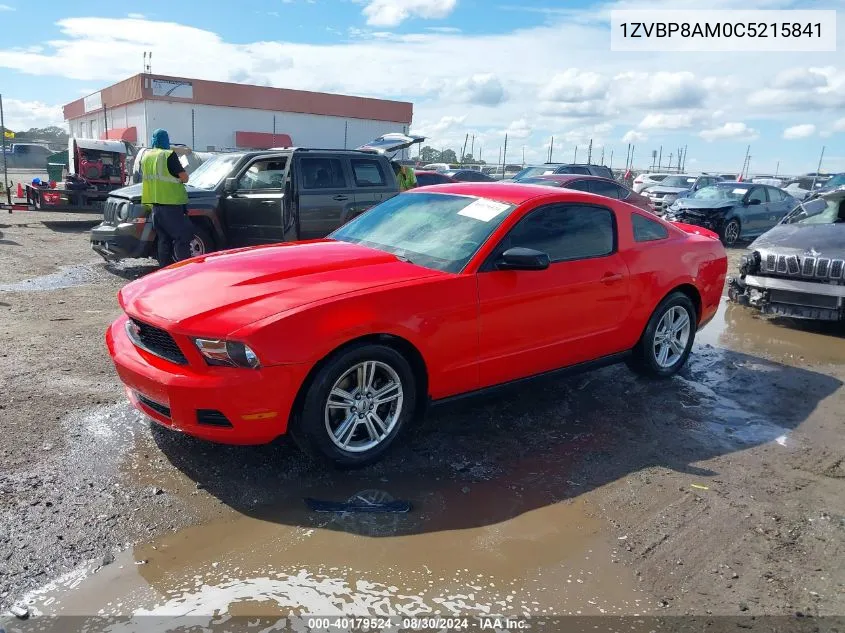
x: 718, y: 492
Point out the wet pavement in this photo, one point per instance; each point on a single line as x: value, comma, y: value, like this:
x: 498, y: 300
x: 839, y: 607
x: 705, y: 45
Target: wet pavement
x: 718, y: 491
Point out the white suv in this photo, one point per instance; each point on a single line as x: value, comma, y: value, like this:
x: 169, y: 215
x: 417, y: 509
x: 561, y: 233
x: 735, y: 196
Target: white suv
x: 647, y: 180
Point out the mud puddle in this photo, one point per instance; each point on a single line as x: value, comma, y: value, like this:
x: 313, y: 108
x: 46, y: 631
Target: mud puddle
x: 554, y: 560
x: 66, y: 277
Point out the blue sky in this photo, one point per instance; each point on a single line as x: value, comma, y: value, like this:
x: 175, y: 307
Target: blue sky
x: 533, y: 70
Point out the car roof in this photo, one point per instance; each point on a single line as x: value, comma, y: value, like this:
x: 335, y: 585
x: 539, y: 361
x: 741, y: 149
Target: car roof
x: 568, y: 177
x: 512, y: 193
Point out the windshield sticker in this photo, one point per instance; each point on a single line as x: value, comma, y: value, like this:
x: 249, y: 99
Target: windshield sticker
x: 739, y: 191
x: 484, y: 210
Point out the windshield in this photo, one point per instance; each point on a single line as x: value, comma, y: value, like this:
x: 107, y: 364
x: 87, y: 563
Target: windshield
x: 836, y: 181
x: 533, y: 171
x: 720, y: 192
x: 435, y: 230
x: 212, y: 172
x: 684, y: 182
x: 539, y: 180
x: 818, y: 211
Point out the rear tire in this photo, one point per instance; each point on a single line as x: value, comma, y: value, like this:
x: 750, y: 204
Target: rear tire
x: 667, y: 339
x: 356, y: 406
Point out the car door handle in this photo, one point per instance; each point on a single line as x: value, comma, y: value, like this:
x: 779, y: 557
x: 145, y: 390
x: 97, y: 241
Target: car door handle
x: 340, y: 197
x: 610, y: 278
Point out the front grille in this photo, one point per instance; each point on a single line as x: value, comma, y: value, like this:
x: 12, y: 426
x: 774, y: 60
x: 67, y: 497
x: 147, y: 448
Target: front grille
x: 836, y: 267
x: 792, y: 265
x: 803, y: 299
x: 809, y: 266
x: 821, y: 267
x: 110, y: 210
x: 155, y: 406
x: 158, y: 342
x: 781, y: 264
x: 212, y: 417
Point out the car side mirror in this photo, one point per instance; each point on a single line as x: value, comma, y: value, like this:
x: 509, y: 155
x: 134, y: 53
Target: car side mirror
x: 230, y: 185
x: 753, y: 202
x: 519, y: 258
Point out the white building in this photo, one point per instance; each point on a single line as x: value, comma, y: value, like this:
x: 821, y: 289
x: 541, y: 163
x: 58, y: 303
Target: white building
x: 212, y: 115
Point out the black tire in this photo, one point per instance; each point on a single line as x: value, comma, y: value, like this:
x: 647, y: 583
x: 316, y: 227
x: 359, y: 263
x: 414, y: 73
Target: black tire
x: 729, y: 234
x: 309, y: 427
x: 643, y: 359
x: 201, y: 236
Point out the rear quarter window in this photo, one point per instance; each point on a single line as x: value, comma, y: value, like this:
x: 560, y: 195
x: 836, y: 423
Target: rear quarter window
x: 368, y: 173
x: 647, y: 230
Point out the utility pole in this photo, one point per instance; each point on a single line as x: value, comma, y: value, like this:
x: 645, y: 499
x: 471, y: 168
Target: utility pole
x: 504, y: 156
x: 777, y: 169
x: 633, y: 147
x: 105, y: 121
x: 523, y: 155
x: 680, y: 151
x: 472, y: 148
x: 575, y: 159
x: 628, y: 156
x: 551, y: 147
x: 684, y: 166
x: 464, y: 150
x: 5, y: 166
x: 611, y: 160
x: 590, y: 152
x: 670, y: 160
x: 745, y: 162
x: 660, y: 160
x: 818, y: 169
x: 602, y: 155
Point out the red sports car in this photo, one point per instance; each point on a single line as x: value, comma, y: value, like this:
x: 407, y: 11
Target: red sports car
x: 593, y: 184
x: 432, y: 294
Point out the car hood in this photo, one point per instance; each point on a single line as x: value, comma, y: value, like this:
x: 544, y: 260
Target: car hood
x: 222, y: 292
x: 812, y: 240
x: 693, y: 203
x: 133, y: 192
x: 662, y: 189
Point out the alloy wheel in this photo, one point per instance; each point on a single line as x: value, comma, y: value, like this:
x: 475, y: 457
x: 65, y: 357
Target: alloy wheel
x: 731, y: 232
x: 671, y: 336
x: 364, y: 406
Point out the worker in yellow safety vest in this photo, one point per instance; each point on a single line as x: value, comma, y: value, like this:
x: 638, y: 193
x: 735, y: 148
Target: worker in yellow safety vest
x: 405, y: 176
x: 163, y: 187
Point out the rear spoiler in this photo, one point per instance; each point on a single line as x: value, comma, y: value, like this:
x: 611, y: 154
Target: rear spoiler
x: 696, y: 230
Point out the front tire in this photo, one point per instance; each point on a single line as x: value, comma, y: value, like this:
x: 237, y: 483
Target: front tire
x: 356, y: 406
x: 667, y: 339
x: 730, y: 232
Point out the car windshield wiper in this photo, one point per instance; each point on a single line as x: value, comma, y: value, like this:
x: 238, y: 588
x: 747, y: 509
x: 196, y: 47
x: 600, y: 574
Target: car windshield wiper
x: 403, y: 258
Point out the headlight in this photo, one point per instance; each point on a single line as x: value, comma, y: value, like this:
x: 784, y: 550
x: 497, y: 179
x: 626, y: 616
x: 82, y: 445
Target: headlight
x: 227, y: 353
x: 749, y: 263
x: 670, y: 197
x: 123, y: 211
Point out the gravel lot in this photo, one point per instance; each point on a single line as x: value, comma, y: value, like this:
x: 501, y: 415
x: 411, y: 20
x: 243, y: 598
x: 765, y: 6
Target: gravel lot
x: 719, y: 491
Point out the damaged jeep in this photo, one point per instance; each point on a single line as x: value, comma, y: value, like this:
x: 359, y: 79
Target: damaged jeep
x: 797, y: 269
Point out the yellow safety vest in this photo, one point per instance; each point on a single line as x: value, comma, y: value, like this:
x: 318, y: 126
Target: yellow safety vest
x: 158, y: 185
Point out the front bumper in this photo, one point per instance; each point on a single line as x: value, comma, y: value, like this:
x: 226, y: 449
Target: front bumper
x: 122, y: 241
x: 710, y: 223
x: 220, y: 404
x: 661, y: 204
x: 788, y: 297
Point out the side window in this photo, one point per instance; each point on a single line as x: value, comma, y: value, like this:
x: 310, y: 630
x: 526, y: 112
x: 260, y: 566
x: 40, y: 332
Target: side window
x: 322, y: 173
x: 758, y: 193
x: 776, y: 195
x: 566, y: 232
x: 604, y: 188
x: 622, y: 192
x: 578, y: 185
x: 646, y: 230
x: 368, y: 173
x: 263, y: 174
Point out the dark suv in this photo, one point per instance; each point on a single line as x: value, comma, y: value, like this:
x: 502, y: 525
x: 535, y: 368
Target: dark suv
x: 260, y: 197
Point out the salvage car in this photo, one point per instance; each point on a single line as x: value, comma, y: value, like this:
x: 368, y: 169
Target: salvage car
x: 593, y: 184
x: 798, y: 268
x: 734, y: 210
x: 673, y: 187
x: 435, y: 293
x: 260, y: 197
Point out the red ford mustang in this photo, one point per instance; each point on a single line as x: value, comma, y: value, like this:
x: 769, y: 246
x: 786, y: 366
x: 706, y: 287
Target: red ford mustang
x: 432, y: 294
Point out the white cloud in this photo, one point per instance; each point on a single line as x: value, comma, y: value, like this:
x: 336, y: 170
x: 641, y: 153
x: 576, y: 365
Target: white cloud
x: 729, y: 131
x: 632, y: 136
x: 839, y: 125
x: 482, y: 89
x: 439, y: 127
x: 6, y: 7
x: 394, y: 12
x: 574, y: 86
x: 814, y: 88
x: 799, y: 131
x: 136, y: 16
x: 799, y: 79
x: 22, y: 115
x: 661, y: 121
x: 518, y: 129
x: 658, y: 90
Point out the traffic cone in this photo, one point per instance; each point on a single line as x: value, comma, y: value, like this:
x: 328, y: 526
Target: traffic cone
x: 20, y: 190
